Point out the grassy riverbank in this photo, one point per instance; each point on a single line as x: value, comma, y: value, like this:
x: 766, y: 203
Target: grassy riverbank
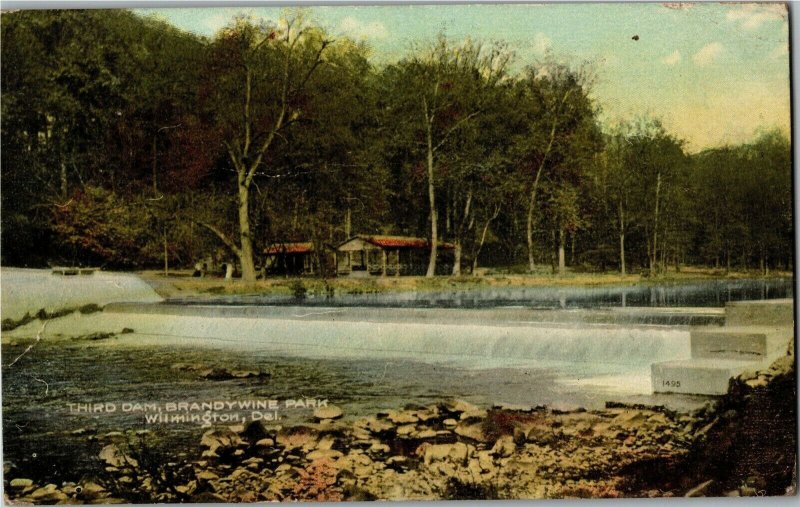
x: 182, y: 284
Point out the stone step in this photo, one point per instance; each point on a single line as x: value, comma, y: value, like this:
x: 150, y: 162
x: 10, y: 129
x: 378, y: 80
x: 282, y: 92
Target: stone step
x: 768, y: 312
x: 740, y: 342
x: 709, y: 376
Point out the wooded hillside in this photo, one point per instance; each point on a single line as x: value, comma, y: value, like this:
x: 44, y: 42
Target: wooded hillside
x: 125, y: 140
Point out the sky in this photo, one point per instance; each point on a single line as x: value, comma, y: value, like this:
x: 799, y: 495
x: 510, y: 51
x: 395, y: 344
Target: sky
x: 715, y: 74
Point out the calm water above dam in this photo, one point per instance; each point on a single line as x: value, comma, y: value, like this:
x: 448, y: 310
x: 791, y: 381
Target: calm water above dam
x: 711, y: 293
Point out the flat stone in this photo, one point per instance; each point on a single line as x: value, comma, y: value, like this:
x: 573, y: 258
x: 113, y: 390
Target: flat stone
x: 21, y: 483
x: 331, y: 454
x: 205, y: 475
x: 402, y: 417
x: 471, y: 431
x: 329, y: 412
x: 265, y: 442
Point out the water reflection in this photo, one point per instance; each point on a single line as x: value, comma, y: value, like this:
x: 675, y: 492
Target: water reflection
x: 711, y: 293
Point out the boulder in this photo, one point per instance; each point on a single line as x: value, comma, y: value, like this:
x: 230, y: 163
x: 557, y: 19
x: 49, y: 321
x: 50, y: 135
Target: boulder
x: 329, y: 412
x: 504, y: 447
x: 112, y: 456
x: 21, y: 483
x: 220, y: 439
x: 48, y: 494
x: 471, y: 431
x: 402, y: 417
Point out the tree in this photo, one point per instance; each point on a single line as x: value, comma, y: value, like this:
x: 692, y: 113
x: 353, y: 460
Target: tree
x: 265, y: 69
x: 658, y: 160
x: 434, y: 95
x: 559, y: 124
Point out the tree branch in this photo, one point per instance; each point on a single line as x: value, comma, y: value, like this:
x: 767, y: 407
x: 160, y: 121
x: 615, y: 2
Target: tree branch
x: 221, y: 235
x: 455, y: 127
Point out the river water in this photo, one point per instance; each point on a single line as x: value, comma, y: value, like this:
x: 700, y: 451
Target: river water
x: 703, y: 293
x: 360, y: 365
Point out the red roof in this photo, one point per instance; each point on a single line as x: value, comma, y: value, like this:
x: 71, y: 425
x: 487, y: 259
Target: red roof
x: 289, y: 248
x: 403, y: 242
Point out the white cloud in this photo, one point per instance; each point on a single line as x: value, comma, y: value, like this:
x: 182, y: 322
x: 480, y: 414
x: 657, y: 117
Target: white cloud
x: 217, y: 22
x: 752, y: 16
x: 672, y: 59
x: 356, y: 29
x: 542, y: 43
x: 707, y: 54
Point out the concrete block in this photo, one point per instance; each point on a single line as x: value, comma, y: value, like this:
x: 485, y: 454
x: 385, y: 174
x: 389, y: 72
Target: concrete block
x: 769, y: 312
x: 708, y: 376
x: 742, y: 343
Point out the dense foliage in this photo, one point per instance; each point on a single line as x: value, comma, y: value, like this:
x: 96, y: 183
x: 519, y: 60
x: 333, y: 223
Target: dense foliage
x: 128, y: 143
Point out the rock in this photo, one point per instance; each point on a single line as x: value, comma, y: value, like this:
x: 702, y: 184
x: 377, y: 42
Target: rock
x: 265, y: 442
x: 90, y: 490
x: 249, y: 374
x: 331, y: 454
x: 425, y: 434
x: 114, y: 457
x: 472, y: 431
x: 747, y: 491
x: 450, y: 423
x: 205, y: 475
x: 48, y: 494
x: 436, y: 452
x: 485, y: 461
x: 629, y: 418
x: 375, y: 425
x: 325, y: 443
x: 406, y: 430
x: 757, y: 383
x: 402, y: 417
x: 220, y: 439
x: 504, y: 447
x: 21, y: 483
x: 473, y: 415
x: 457, y: 453
x: 699, y: 490
x: 329, y: 412
x: 459, y: 406
x: 379, y: 448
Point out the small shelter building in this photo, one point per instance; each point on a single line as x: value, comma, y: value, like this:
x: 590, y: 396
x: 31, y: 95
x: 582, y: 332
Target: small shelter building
x: 364, y: 255
x: 289, y: 259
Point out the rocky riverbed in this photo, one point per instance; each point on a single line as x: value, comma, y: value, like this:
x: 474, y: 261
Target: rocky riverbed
x: 740, y: 444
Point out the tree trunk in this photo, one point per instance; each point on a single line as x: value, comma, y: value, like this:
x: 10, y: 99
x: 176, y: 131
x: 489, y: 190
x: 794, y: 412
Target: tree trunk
x: 531, y: 204
x: 166, y: 253
x: 654, y: 252
x: 347, y: 223
x: 432, y: 201
x: 622, y: 239
x: 561, y: 252
x: 457, y: 259
x: 155, y: 166
x: 64, y: 189
x: 246, y: 251
x: 483, y: 237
